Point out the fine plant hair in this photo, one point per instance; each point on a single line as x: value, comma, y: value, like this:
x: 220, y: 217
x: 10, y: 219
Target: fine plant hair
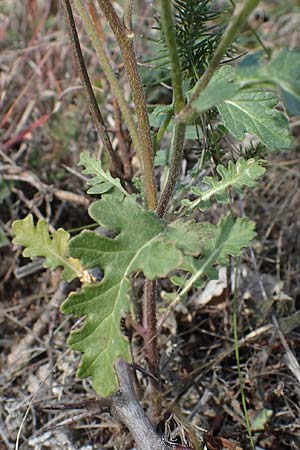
x: 155, y: 231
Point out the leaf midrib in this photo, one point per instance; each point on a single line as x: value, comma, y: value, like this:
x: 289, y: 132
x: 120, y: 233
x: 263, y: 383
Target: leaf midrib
x: 251, y: 117
x: 220, y: 187
x: 122, y: 280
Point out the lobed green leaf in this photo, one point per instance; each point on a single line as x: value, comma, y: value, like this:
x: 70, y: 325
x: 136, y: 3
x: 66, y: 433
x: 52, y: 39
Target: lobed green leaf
x: 251, y: 111
x: 38, y: 242
x: 221, y: 87
x: 143, y: 243
x: 102, y: 181
x: 245, y: 108
x: 235, y: 176
x: 231, y: 236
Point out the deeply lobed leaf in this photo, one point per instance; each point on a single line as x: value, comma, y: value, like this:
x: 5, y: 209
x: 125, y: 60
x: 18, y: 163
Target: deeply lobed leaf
x: 143, y: 243
x: 102, y: 182
x: 38, y: 242
x: 232, y: 235
x: 236, y: 175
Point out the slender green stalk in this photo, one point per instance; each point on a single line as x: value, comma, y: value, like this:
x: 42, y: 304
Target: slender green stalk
x: 168, y: 27
x: 125, y: 41
x: 109, y: 73
x: 237, y: 358
x: 240, y: 16
x: 85, y: 81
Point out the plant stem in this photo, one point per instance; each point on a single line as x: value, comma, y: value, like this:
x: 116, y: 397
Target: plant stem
x: 85, y: 81
x: 177, y: 153
x: 126, y: 408
x: 151, y: 351
x: 110, y: 75
x: 168, y: 27
x: 240, y: 16
x: 125, y: 41
x: 128, y: 7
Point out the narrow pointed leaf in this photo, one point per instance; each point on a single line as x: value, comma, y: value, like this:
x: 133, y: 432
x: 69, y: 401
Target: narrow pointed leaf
x: 38, y: 242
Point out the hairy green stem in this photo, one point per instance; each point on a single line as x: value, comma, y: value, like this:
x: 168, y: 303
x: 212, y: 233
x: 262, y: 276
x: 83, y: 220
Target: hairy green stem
x: 151, y: 350
x: 85, y: 81
x: 168, y: 27
x: 240, y: 16
x: 125, y: 41
x: 109, y: 73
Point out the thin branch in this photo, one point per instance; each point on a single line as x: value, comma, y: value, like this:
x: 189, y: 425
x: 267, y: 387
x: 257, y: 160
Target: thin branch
x: 240, y: 16
x: 95, y: 19
x: 109, y: 73
x: 125, y: 41
x: 85, y: 80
